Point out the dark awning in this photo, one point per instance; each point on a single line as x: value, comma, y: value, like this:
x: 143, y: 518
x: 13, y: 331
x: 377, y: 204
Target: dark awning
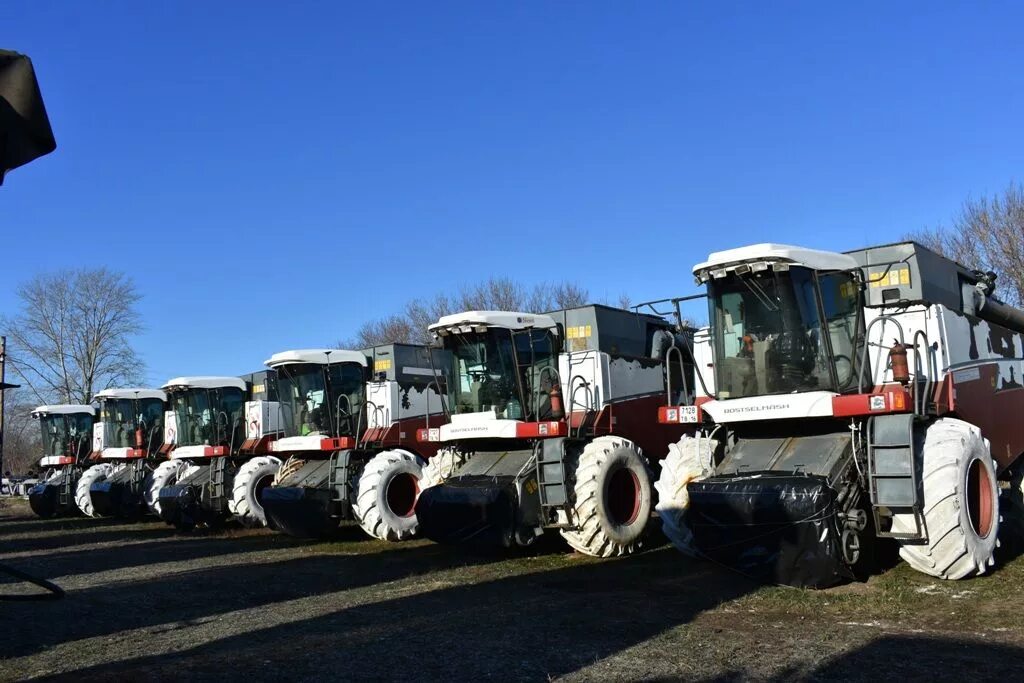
x: 25, y: 132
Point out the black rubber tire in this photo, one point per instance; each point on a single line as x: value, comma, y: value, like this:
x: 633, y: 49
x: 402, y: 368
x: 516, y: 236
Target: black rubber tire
x: 390, y: 479
x: 250, y: 479
x: 610, y: 470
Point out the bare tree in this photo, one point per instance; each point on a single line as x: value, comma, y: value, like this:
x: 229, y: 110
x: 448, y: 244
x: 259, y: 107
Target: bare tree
x: 495, y: 293
x: 71, y: 338
x: 987, y: 234
x: 22, y: 445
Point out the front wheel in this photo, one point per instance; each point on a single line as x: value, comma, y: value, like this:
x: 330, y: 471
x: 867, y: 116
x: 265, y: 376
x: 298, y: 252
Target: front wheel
x: 386, y: 494
x: 960, y: 508
x: 611, y: 499
x: 83, y: 496
x: 689, y: 459
x: 250, y: 480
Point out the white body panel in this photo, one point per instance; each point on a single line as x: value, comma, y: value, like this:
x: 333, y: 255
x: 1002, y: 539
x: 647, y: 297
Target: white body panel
x: 50, y: 461
x: 776, y: 407
x: 291, y: 444
x: 116, y: 453
x: 705, y: 361
x: 388, y: 403
x: 97, y: 437
x: 477, y: 426
x: 170, y: 427
x: 262, y: 418
x: 188, y: 452
x: 592, y: 379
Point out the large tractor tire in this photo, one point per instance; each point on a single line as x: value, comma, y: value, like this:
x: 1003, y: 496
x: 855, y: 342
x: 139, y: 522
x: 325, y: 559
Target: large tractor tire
x: 689, y: 459
x: 251, y: 478
x: 165, y: 474
x: 386, y: 494
x: 612, y: 499
x: 444, y: 464
x: 96, y: 473
x: 960, y: 503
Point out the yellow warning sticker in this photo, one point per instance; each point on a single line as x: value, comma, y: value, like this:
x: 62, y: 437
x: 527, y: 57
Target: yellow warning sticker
x: 382, y: 365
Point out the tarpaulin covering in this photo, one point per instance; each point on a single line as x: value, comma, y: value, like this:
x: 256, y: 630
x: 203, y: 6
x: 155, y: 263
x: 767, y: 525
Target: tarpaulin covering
x: 475, y: 510
x: 25, y: 132
x: 773, y: 528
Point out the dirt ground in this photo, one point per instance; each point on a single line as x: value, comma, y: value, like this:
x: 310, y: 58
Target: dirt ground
x: 145, y: 603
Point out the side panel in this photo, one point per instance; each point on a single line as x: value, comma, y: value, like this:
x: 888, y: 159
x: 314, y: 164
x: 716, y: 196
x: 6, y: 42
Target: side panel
x: 986, y: 362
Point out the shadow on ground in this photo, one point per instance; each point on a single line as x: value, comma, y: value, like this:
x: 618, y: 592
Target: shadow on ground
x: 910, y: 658
x: 520, y: 627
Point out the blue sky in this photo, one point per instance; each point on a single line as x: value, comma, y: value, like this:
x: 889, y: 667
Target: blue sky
x: 273, y: 174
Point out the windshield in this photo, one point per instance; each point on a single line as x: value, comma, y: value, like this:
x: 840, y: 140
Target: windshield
x: 66, y: 434
x: 768, y: 332
x: 122, y: 417
x: 312, y: 403
x: 209, y: 417
x: 502, y: 371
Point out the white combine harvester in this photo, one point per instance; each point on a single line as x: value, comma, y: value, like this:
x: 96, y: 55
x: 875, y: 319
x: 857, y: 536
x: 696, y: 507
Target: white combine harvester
x: 875, y: 393
x: 67, y: 434
x: 213, y: 472
x: 125, y: 446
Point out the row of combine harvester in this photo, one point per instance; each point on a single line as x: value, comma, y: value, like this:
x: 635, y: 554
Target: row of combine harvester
x: 834, y: 399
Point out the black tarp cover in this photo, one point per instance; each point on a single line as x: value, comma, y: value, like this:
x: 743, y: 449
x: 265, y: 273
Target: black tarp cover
x: 25, y: 132
x: 773, y: 528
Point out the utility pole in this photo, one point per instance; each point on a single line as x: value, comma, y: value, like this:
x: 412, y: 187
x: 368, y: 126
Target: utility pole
x: 3, y: 390
x: 4, y: 386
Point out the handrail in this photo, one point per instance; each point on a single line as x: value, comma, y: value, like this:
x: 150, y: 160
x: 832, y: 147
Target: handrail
x: 867, y: 343
x: 668, y: 374
x: 540, y: 378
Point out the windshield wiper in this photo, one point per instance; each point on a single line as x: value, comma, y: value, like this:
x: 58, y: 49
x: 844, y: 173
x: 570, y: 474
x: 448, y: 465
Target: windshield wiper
x: 759, y: 292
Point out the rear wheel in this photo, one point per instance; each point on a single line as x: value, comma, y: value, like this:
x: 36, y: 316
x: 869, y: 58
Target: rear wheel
x: 444, y: 464
x: 961, y: 512
x: 83, y: 498
x: 250, y: 480
x: 611, y: 499
x: 386, y: 494
x: 689, y: 459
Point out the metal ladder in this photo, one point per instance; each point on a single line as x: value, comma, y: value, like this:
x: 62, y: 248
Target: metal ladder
x: 218, y: 471
x: 552, y: 474
x: 892, y: 475
x: 65, y: 488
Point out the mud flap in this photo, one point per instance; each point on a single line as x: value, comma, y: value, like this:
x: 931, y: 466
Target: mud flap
x: 477, y: 513
x: 299, y: 511
x: 776, y: 529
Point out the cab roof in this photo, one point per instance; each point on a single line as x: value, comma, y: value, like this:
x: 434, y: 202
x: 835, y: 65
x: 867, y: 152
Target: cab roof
x: 205, y: 382
x: 318, y: 356
x: 131, y: 393
x: 505, y: 319
x: 776, y: 253
x: 64, y: 409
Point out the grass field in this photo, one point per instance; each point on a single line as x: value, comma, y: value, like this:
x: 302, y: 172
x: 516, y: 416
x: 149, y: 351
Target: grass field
x: 145, y: 603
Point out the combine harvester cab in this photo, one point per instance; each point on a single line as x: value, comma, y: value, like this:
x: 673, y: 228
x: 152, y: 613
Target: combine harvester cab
x: 213, y: 469
x: 349, y: 421
x: 855, y: 396
x: 552, y: 418
x: 67, y: 437
x: 126, y: 445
